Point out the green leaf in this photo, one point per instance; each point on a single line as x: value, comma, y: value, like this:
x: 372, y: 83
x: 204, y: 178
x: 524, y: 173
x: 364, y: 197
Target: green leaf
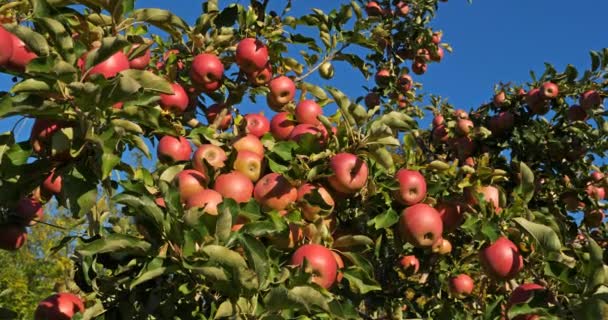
x: 225, y: 310
x: 227, y: 209
x: 34, y: 41
x: 149, y: 273
x: 384, y: 220
x: 301, y: 297
x: 223, y: 256
x: 544, y: 235
x: 108, y: 162
x: 349, y: 241
x: 257, y: 255
x: 595, y: 60
x: 115, y: 243
x: 149, y: 81
x: 360, y: 281
x: 160, y: 18
x: 343, y: 103
x: 144, y: 207
x: 30, y: 85
x: 526, y: 187
x: 63, y: 39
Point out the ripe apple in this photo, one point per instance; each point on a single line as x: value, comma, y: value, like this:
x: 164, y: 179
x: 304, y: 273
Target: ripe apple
x: 442, y: 246
x: 108, y: 68
x: 6, y: 46
x: 256, y: 124
x: 52, y: 185
x: 420, y: 225
x: 536, y: 103
x: 60, y: 306
x: 142, y: 60
x: 12, y: 236
x: 464, y: 126
x: 29, y: 211
x: 402, y: 8
x: 405, y: 83
x: 41, y: 136
x: 419, y: 68
x: 214, y: 111
x: 20, y: 55
x: 249, y: 163
x: 274, y: 192
x: 597, y: 176
x: 373, y: 9
x: 249, y: 142
x: 437, y: 55
x: 207, y: 71
x: 321, y: 261
x: 491, y: 195
x: 590, y: 99
x: 260, y: 77
x: 372, y: 99
x: 410, y: 264
x: 314, y: 200
x: 340, y: 264
x: 438, y: 120
x: 206, y: 199
x: 500, y: 98
x: 176, y: 102
x: 212, y: 154
x: 522, y: 294
x: 436, y: 39
x: 501, y: 260
x: 412, y: 187
x: 349, y: 173
x: 451, y: 213
x: 462, y: 146
x: 461, y: 286
x: 461, y: 114
x: 173, y: 149
x: 577, y: 113
x: 282, y: 125
x: 596, y: 192
x: 319, y: 132
x: 594, y: 218
x: 190, y: 182
x: 549, y: 90
x: 251, y: 55
x: 282, y: 90
x: 234, y: 185
x: 307, y: 112
x: 382, y: 78
x: 501, y: 123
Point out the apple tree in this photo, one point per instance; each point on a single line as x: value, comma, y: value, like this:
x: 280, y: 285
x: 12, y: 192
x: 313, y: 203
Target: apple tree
x: 329, y: 206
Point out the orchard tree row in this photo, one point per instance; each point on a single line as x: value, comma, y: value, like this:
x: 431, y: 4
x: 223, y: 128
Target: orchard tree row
x: 330, y: 206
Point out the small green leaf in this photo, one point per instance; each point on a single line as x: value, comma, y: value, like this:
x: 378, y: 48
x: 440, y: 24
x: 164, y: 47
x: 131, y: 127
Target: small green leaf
x: 360, y: 282
x: 115, y: 243
x: 384, y: 220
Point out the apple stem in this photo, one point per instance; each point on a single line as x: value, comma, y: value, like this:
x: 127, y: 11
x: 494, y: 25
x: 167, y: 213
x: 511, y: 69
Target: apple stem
x: 327, y: 58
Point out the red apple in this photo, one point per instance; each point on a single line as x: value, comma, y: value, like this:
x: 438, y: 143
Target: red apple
x: 461, y: 114
x: 420, y: 225
x: 190, y: 182
x: 536, y: 103
x: 597, y: 176
x: 52, y: 184
x: 307, y: 112
x: 464, y: 126
x: 419, y: 68
x: 491, y: 195
x: 251, y: 55
x: 212, y: 154
x: 214, y: 111
x: 382, y: 77
x: 402, y: 8
x: 500, y: 98
x: 20, y: 55
x: 373, y: 9
x: 594, y: 218
x: 412, y: 187
x: 410, y: 264
x: 282, y: 90
x: 436, y: 39
x: 405, y: 83
x: 461, y: 286
x: 12, y: 236
x: 29, y: 211
x: 372, y: 99
x: 318, y: 131
x: 260, y: 77
x: 438, y: 120
x: 176, y: 102
x: 314, y: 200
x: 281, y: 125
x: 142, y: 60
x: 6, y: 46
x: 437, y: 55
x: 206, y: 199
x: 108, y: 68
x: 590, y: 99
x: 577, y: 113
x: 340, y: 264
x: 595, y: 192
x: 451, y: 213
x: 173, y: 149
x: 256, y: 124
x: 501, y: 123
x: 522, y: 294
x: 349, y: 173
x: 549, y: 90
x: 41, y: 138
x: 501, y: 260
x: 464, y: 147
x: 207, y: 71
x: 321, y: 262
x: 234, y: 185
x: 249, y: 142
x: 249, y: 163
x: 60, y: 306
x: 274, y: 192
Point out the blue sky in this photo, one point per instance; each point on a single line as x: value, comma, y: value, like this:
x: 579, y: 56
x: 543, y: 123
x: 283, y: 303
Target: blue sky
x: 493, y: 41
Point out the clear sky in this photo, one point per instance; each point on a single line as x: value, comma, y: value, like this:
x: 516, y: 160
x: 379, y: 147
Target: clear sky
x: 493, y: 41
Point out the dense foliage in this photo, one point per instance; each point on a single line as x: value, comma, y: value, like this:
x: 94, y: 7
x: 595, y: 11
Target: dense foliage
x: 337, y: 208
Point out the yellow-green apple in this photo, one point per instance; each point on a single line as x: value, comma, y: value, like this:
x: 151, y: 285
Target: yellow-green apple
x: 176, y: 102
x: 420, y: 225
x: 190, y: 182
x: 314, y: 201
x: 461, y: 285
x: 207, y: 199
x: 349, y: 173
x: 256, y: 124
x: 412, y: 187
x: 60, y: 306
x: 249, y: 142
x: 281, y: 125
x: 501, y: 260
x: 12, y: 236
x: 251, y: 55
x: 275, y: 192
x: 249, y: 163
x: 321, y: 262
x: 307, y: 112
x: 173, y: 149
x: 212, y: 154
x: 234, y: 185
